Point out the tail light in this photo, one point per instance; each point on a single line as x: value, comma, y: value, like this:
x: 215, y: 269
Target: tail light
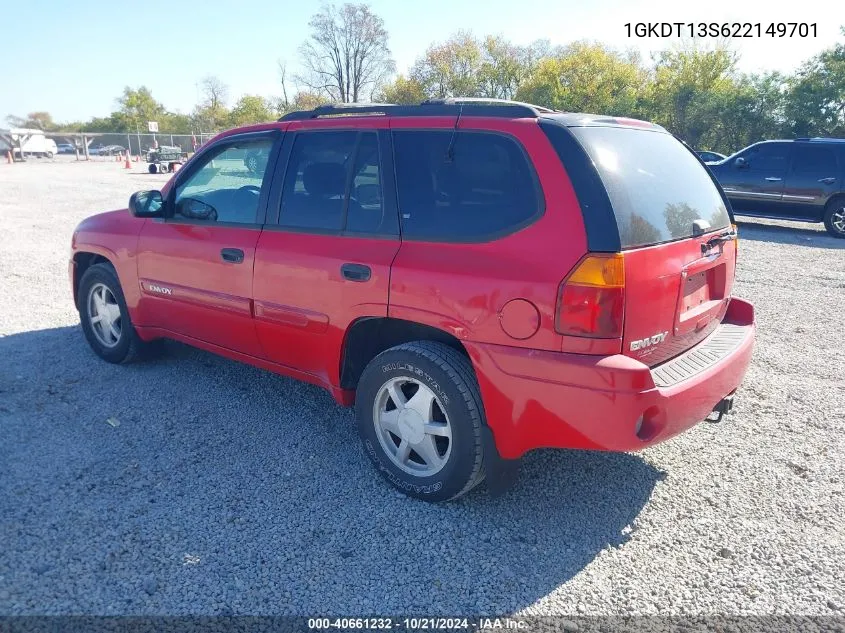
x: 591, y: 300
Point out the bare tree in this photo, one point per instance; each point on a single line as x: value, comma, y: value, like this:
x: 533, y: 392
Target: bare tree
x: 214, y: 91
x: 346, y: 56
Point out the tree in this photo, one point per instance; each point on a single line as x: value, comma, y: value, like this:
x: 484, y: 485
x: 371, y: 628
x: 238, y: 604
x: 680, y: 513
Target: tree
x: 135, y: 109
x: 586, y: 77
x: 504, y: 66
x: 688, y: 86
x: 347, y: 56
x: 816, y: 97
x: 250, y: 109
x: 402, y: 91
x: 211, y: 113
x: 450, y: 69
x: 33, y: 120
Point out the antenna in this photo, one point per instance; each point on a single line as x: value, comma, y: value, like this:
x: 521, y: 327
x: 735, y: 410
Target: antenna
x: 450, y: 152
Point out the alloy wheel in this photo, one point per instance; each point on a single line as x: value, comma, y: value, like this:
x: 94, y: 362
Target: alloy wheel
x: 104, y: 315
x: 412, y: 426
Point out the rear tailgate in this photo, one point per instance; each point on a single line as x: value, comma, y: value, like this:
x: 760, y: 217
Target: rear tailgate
x: 675, y: 232
x: 675, y: 295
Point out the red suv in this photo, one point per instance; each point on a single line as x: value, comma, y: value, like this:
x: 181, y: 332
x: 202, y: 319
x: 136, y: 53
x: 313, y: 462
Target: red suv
x: 478, y: 279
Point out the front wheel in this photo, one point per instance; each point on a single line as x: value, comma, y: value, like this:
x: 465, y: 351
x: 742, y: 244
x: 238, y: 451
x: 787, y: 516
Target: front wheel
x: 834, y: 217
x: 104, y: 316
x: 419, y: 416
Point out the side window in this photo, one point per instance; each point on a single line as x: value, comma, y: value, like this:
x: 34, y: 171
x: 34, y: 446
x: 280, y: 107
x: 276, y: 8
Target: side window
x: 315, y: 180
x: 772, y: 157
x: 366, y: 209
x: 481, y: 187
x: 227, y: 187
x: 811, y: 160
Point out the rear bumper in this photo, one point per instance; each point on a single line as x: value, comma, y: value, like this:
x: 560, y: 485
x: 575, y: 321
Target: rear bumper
x: 537, y: 399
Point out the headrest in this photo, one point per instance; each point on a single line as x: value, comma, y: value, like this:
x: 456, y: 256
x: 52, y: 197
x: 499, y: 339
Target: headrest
x: 324, y: 179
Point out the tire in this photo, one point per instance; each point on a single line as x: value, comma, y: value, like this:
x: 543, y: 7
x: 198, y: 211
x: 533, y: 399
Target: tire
x: 834, y: 217
x: 456, y: 467
x: 252, y: 163
x: 127, y: 346
x: 153, y: 169
x: 49, y: 154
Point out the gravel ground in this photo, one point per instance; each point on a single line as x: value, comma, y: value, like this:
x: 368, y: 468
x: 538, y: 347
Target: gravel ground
x: 192, y: 484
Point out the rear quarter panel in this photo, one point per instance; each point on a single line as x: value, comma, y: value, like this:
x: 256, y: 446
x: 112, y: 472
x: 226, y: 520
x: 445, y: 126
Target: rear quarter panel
x: 461, y: 287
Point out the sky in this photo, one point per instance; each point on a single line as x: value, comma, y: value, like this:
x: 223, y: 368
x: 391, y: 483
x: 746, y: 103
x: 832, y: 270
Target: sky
x: 73, y: 58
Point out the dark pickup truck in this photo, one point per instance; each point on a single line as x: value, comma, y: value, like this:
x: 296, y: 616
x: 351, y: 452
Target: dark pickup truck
x: 800, y: 180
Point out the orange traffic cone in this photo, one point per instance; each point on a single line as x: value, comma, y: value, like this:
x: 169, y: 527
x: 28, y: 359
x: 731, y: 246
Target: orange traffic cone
x: 127, y: 164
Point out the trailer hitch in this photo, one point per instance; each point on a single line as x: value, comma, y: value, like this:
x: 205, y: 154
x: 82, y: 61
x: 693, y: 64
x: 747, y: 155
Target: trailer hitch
x: 722, y: 409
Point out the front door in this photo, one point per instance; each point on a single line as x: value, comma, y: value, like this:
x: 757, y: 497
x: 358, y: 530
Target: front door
x: 195, y: 267
x: 754, y: 184
x: 326, y: 261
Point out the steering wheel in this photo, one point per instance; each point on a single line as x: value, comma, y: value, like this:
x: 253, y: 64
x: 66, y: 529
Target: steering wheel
x: 251, y: 188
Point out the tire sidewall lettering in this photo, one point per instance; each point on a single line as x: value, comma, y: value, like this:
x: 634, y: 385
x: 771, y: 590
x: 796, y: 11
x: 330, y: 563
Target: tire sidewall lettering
x: 412, y: 370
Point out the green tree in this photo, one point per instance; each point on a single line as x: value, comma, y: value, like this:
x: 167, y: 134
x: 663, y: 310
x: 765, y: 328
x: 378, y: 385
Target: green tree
x: 585, y: 77
x: 402, y: 91
x: 688, y: 89
x: 451, y: 68
x: 250, y: 109
x: 816, y: 97
x: 747, y: 110
x: 135, y: 109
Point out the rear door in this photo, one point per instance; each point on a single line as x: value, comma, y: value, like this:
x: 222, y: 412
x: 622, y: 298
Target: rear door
x: 324, y: 258
x: 755, y: 184
x: 670, y: 216
x: 195, y: 267
x: 814, y: 175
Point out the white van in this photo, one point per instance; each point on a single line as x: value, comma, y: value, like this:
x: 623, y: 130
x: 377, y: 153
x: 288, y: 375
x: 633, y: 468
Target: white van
x: 34, y: 143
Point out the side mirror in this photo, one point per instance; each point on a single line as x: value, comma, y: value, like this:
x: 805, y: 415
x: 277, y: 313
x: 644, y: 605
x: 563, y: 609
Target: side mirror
x: 740, y: 163
x: 146, y: 204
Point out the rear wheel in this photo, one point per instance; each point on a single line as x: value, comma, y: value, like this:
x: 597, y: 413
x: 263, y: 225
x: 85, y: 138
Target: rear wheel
x: 834, y: 217
x: 419, y: 416
x: 153, y: 169
x: 104, y: 316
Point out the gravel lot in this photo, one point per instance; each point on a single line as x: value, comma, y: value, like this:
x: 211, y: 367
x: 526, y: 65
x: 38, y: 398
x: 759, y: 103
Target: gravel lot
x: 219, y: 488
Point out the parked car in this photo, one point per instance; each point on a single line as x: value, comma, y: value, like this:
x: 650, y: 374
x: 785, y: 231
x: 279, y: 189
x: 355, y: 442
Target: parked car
x: 255, y: 161
x: 66, y: 148
x: 800, y: 180
x: 94, y: 150
x: 710, y: 157
x: 561, y: 280
x: 112, y: 150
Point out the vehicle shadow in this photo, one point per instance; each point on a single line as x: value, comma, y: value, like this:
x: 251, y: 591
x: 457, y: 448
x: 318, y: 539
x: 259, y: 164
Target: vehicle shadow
x: 193, y: 484
x: 802, y: 235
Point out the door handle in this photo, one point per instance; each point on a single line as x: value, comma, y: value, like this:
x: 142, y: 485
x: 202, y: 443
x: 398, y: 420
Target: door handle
x: 774, y: 179
x: 232, y: 255
x: 827, y: 181
x: 356, y: 272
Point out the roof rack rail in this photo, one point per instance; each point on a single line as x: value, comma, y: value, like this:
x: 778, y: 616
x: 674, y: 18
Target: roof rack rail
x: 467, y: 106
x: 487, y: 101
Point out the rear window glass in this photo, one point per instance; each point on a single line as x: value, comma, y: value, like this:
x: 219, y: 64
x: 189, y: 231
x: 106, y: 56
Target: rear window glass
x: 469, y: 186
x: 656, y: 186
